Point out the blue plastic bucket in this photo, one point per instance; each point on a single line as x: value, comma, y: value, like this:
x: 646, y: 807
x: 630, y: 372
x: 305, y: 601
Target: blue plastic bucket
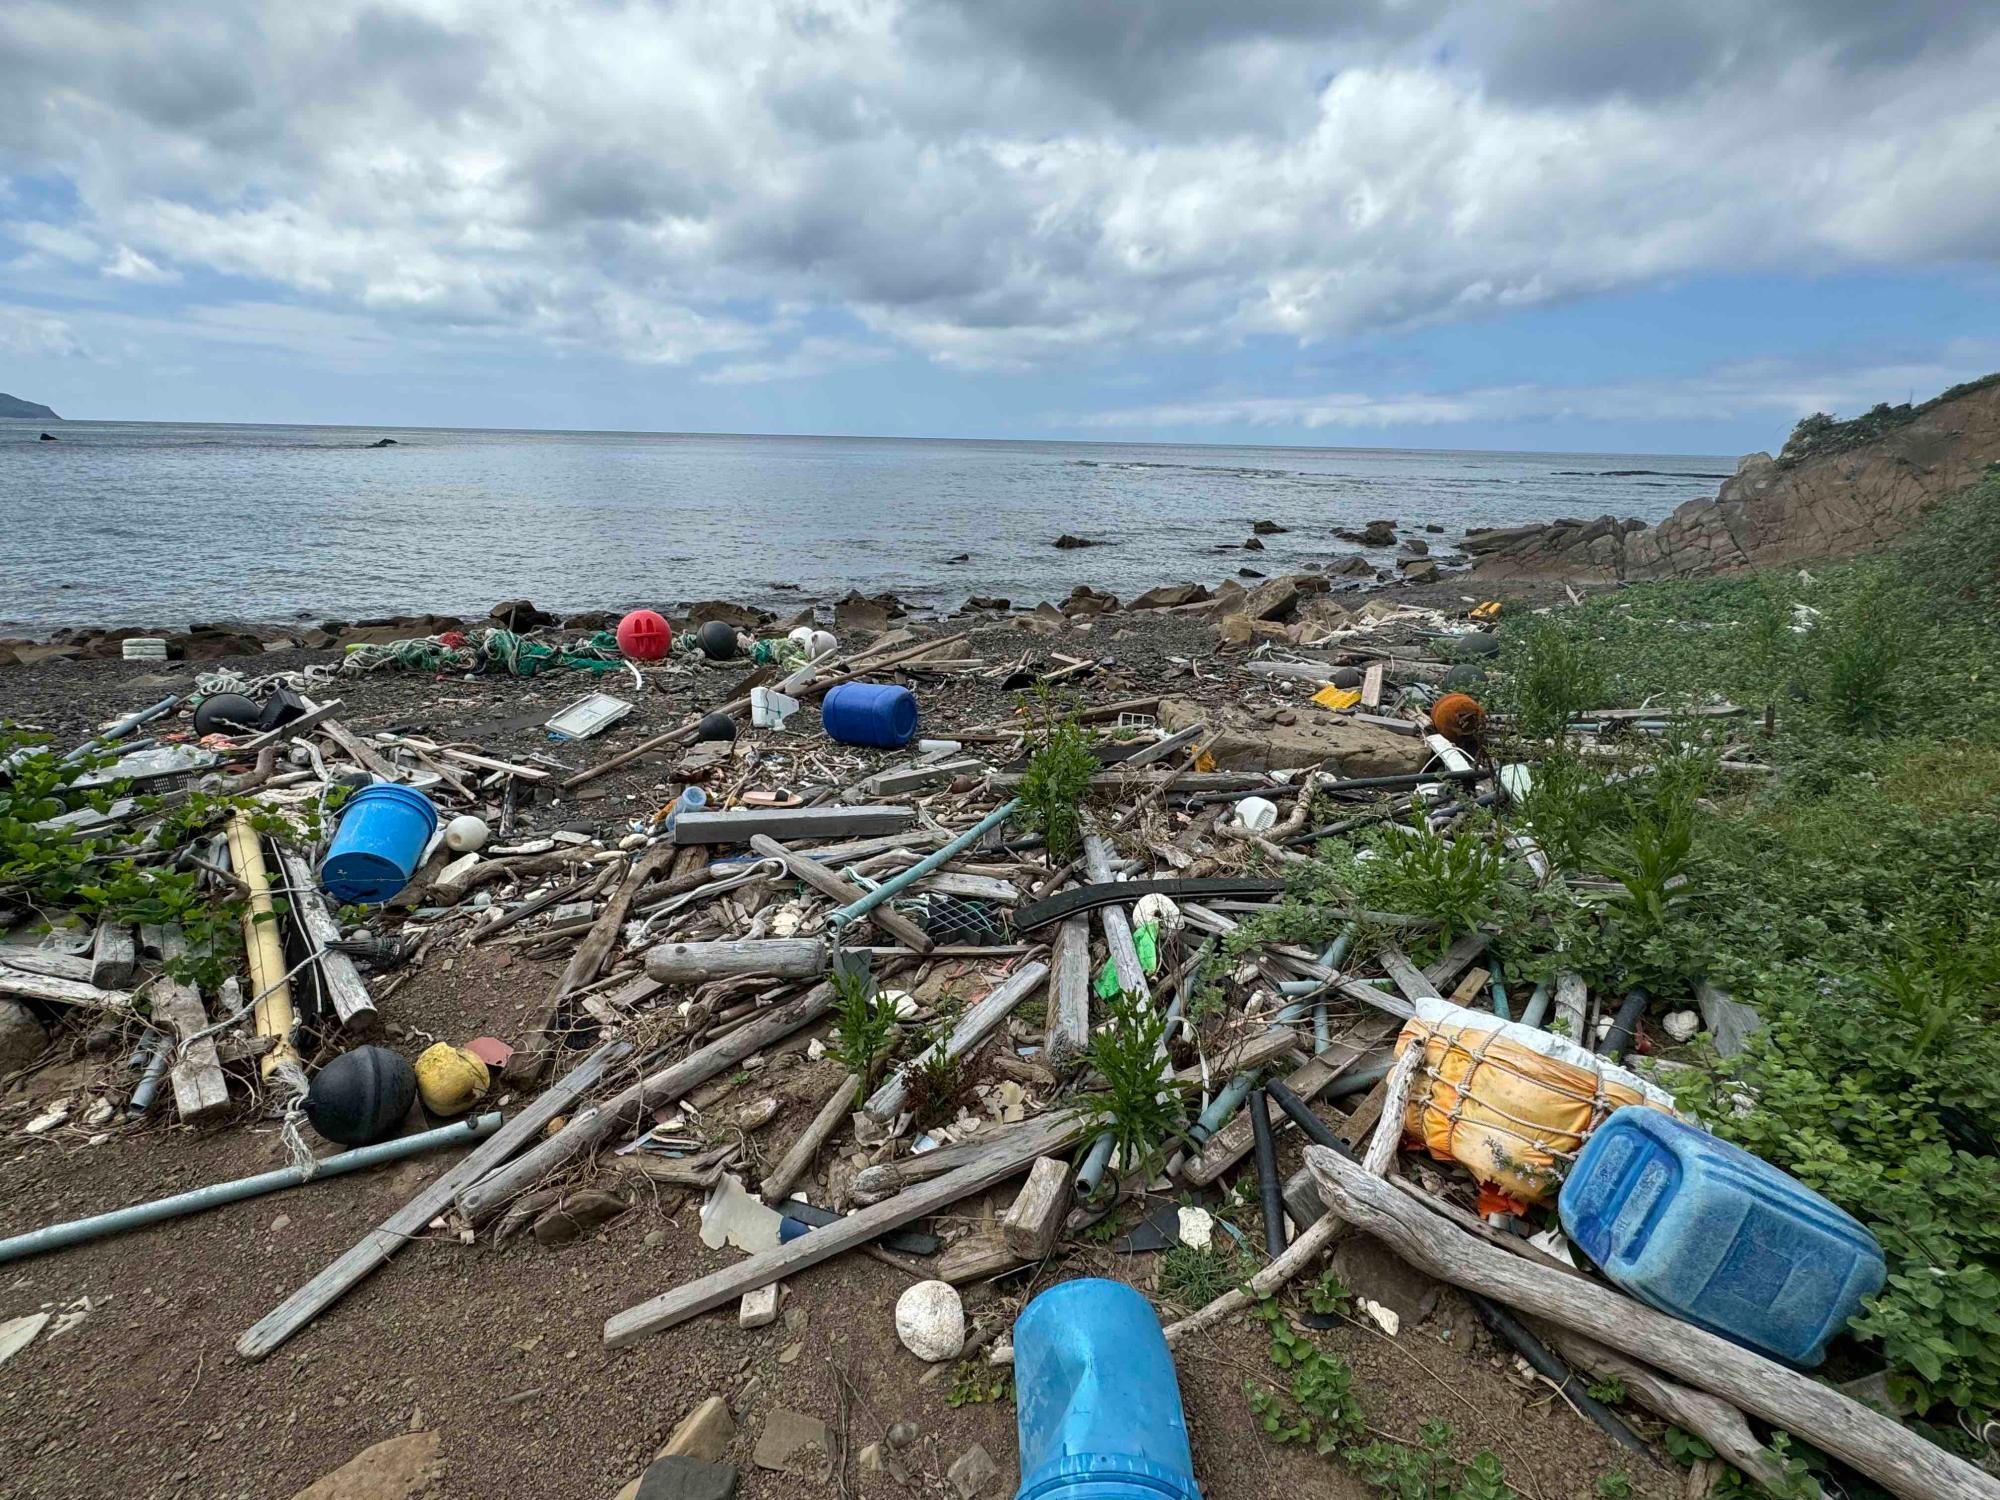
x: 870, y: 713
x: 1100, y: 1409
x: 375, y: 850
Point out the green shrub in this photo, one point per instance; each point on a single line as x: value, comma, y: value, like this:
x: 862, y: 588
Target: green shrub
x: 1052, y: 790
x: 1140, y: 1105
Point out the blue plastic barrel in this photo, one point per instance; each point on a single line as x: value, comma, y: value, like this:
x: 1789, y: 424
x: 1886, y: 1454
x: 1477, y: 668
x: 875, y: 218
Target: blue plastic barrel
x: 1700, y: 1229
x: 375, y: 850
x: 870, y: 713
x: 1100, y: 1410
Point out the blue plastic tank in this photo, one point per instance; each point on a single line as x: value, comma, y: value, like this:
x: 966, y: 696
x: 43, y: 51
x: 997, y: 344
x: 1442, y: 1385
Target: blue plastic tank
x: 1700, y: 1229
x: 870, y: 713
x: 380, y: 840
x: 1100, y: 1410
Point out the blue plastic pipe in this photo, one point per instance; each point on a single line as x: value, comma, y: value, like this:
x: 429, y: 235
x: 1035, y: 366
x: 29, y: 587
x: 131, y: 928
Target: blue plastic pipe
x: 97, y: 1226
x: 854, y: 911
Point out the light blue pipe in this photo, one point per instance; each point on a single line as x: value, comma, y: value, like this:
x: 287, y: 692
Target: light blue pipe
x: 854, y: 911
x: 1500, y: 994
x: 1538, y: 1005
x: 97, y: 1226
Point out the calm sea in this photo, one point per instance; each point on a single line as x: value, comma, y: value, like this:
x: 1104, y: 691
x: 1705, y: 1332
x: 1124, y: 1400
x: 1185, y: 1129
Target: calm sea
x: 149, y: 523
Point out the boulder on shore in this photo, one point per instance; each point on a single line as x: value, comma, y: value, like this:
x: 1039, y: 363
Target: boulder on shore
x: 1070, y: 543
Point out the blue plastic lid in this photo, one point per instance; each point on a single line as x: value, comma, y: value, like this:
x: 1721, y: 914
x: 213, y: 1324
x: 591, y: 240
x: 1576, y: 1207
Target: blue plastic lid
x: 1106, y: 1476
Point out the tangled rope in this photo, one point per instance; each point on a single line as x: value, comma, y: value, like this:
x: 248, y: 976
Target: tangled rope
x: 491, y: 650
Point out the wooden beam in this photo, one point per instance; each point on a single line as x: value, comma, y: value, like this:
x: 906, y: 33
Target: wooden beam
x: 1116, y: 923
x: 201, y: 1089
x: 828, y: 884
x: 1571, y: 997
x: 310, y: 1300
x: 973, y: 1028
x: 61, y: 991
x: 113, y: 956
x: 1899, y: 1460
x: 1411, y: 980
x: 1069, y: 991
x: 358, y: 752
x: 744, y: 824
x: 799, y: 1158
x: 1031, y: 1224
x: 1371, y: 685
x: 1464, y: 949
x: 697, y: 963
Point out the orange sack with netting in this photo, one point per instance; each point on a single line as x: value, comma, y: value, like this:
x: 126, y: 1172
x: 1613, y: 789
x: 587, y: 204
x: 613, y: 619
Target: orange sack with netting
x: 1509, y: 1103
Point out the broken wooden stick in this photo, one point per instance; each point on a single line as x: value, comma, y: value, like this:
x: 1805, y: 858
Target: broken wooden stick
x: 973, y: 1028
x: 793, y: 1165
x: 697, y: 963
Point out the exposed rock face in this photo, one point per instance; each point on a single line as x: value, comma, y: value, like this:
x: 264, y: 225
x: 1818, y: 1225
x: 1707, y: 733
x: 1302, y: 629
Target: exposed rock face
x: 1831, y: 505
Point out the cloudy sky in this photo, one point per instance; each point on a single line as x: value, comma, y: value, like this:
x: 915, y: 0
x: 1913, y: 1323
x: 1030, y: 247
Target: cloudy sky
x: 1668, y: 226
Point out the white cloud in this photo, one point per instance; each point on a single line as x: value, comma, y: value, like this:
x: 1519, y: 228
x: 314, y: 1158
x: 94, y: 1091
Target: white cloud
x: 128, y: 264
x: 1783, y: 389
x: 809, y: 357
x: 995, y: 186
x: 23, y: 330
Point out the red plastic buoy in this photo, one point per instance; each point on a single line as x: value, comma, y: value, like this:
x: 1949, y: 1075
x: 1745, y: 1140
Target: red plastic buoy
x: 644, y: 635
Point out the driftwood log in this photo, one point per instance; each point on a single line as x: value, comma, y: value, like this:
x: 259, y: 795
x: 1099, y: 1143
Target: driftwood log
x: 1900, y: 1461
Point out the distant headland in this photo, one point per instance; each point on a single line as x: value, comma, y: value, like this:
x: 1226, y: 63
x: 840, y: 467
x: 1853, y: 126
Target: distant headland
x: 14, y: 406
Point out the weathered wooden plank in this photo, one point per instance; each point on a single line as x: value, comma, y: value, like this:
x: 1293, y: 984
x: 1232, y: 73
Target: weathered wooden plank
x: 1371, y: 685
x: 722, y: 1287
x: 697, y: 963
x: 375, y: 1249
x: 61, y: 991
x: 1571, y: 997
x: 741, y: 825
x: 360, y: 753
x: 1412, y: 981
x: 799, y: 1158
x: 1116, y: 923
x: 201, y: 1088
x: 113, y: 956
x: 1069, y: 991
x: 1030, y: 1225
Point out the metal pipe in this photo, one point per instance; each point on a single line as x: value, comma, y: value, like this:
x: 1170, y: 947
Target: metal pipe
x: 854, y: 911
x: 1537, y: 1007
x: 97, y: 1226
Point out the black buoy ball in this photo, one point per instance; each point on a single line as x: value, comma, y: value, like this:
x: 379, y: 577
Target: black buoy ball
x: 227, y: 713
x: 1345, y: 677
x: 715, y: 727
x: 717, y: 640
x: 361, y: 1096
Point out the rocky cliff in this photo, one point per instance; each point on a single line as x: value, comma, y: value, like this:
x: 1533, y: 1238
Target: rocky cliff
x: 1837, y: 489
x: 14, y: 406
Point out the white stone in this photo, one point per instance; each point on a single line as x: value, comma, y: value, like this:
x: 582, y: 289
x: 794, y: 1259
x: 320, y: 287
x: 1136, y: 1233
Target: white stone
x: 1681, y: 1025
x: 465, y: 833
x: 1197, y: 1228
x: 930, y: 1320
x: 906, y: 1005
x: 759, y: 1308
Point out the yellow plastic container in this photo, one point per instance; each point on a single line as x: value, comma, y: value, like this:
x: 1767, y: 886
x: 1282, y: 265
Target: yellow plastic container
x: 1510, y: 1103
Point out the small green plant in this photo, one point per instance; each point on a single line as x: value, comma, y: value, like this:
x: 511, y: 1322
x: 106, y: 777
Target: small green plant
x: 1610, y: 1390
x: 1428, y: 1471
x: 935, y: 1080
x: 974, y: 1383
x: 1455, y: 883
x: 1318, y: 1405
x: 1617, y: 1485
x: 1052, y: 790
x: 864, y: 1026
x: 1193, y: 1278
x: 1550, y: 675
x: 1329, y: 1296
x: 1140, y: 1105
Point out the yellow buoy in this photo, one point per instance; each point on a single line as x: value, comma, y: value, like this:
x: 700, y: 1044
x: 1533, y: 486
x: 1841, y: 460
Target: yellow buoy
x: 450, y: 1080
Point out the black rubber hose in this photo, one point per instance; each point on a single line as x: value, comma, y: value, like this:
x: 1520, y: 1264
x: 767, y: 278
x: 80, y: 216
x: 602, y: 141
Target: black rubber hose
x: 1618, y: 1041
x: 1547, y: 1362
x: 1270, y: 1192
x: 1310, y: 1125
